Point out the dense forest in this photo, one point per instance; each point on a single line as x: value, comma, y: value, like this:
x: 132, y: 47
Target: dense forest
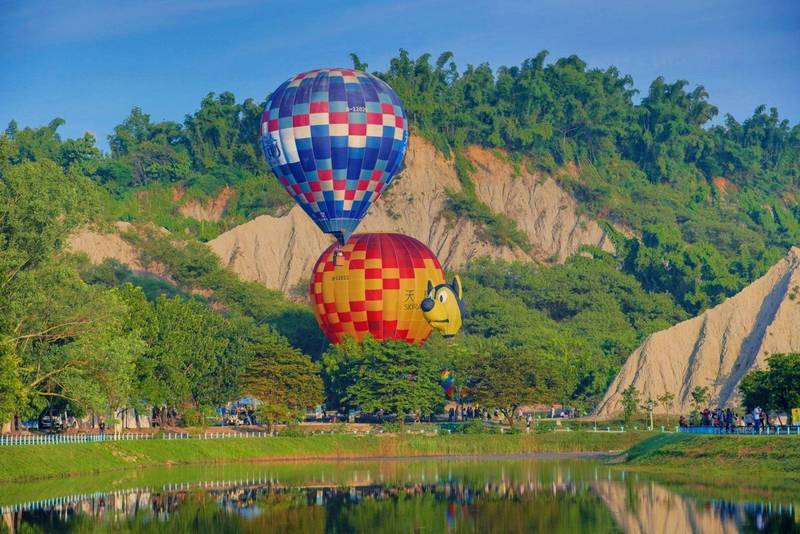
x: 711, y: 206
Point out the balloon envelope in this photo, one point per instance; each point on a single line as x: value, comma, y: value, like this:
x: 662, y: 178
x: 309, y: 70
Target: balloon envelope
x: 375, y: 287
x: 335, y: 139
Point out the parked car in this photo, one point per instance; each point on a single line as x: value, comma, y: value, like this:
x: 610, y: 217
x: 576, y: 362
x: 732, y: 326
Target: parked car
x: 50, y: 421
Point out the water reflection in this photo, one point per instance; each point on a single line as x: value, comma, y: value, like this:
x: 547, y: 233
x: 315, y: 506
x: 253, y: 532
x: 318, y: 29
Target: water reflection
x: 491, y: 496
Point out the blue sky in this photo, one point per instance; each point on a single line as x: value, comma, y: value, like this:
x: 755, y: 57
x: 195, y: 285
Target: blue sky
x: 89, y: 62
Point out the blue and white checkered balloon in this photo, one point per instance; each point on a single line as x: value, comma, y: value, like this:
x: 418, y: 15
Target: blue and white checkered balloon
x: 335, y: 139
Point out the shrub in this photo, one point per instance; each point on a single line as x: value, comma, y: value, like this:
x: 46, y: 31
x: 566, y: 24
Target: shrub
x: 475, y: 426
x: 193, y: 417
x: 391, y: 427
x: 293, y: 430
x: 545, y: 426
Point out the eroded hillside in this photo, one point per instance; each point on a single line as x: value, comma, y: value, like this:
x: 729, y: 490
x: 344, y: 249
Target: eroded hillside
x: 279, y: 252
x: 718, y: 347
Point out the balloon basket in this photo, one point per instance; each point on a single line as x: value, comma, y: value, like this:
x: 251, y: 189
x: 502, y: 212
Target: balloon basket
x: 338, y: 257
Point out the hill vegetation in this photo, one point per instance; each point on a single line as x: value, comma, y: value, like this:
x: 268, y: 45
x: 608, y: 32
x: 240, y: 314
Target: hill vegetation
x: 713, y: 206
x: 709, y: 206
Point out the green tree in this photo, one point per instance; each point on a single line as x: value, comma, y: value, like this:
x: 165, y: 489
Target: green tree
x: 12, y: 392
x: 630, y: 402
x: 756, y: 389
x: 186, y: 352
x: 584, y: 315
x: 281, y: 377
x: 667, y: 401
x: 506, y: 379
x: 776, y: 388
x: 393, y: 376
x: 137, y: 129
x: 41, y: 205
x: 699, y: 397
x: 61, y: 338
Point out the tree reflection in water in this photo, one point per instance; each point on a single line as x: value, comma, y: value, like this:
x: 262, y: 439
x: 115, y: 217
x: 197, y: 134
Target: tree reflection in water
x: 560, y: 501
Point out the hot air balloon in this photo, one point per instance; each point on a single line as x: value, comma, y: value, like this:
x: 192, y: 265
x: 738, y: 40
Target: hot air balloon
x: 335, y: 139
x: 375, y: 286
x: 447, y: 383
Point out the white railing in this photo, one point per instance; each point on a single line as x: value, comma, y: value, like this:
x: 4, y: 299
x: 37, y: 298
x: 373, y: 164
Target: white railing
x: 57, y: 439
x: 51, y: 439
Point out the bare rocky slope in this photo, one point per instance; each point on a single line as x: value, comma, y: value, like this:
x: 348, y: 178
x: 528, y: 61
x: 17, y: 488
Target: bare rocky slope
x: 717, y: 348
x: 279, y: 252
x: 101, y: 245
x: 211, y: 210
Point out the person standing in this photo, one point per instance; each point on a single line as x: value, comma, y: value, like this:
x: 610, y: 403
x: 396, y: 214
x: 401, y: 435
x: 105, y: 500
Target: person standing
x: 728, y: 421
x: 757, y: 419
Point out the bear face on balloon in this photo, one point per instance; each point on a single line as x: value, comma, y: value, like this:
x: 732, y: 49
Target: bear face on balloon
x: 443, y: 307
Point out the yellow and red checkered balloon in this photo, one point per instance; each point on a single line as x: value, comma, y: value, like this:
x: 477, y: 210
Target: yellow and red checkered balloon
x: 375, y: 286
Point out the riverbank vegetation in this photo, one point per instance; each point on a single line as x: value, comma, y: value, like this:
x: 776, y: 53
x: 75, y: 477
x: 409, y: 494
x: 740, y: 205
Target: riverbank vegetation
x: 773, y: 460
x: 43, y: 461
x: 761, y: 464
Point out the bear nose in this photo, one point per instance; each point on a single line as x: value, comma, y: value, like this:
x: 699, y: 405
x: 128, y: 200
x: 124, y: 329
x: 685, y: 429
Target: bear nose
x: 427, y: 304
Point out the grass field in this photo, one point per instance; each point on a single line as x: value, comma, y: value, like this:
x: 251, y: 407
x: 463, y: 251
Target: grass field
x: 43, y: 461
x: 709, y: 452
x: 767, y: 465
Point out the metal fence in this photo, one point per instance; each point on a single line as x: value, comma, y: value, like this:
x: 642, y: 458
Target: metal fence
x: 49, y: 439
x: 54, y: 439
x: 744, y: 431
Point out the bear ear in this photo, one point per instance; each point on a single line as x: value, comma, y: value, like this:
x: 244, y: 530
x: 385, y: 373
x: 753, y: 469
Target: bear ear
x: 457, y: 287
x: 430, y: 287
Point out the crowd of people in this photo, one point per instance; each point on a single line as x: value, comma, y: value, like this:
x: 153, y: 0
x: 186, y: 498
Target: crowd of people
x: 729, y: 422
x: 240, y: 415
x: 462, y: 413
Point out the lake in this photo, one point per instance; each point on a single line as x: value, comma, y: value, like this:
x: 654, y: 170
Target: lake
x: 430, y: 495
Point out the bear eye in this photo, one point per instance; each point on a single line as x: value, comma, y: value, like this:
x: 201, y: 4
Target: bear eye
x: 442, y: 297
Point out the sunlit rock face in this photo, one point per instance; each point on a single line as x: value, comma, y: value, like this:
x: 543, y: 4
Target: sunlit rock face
x: 279, y: 251
x: 717, y: 348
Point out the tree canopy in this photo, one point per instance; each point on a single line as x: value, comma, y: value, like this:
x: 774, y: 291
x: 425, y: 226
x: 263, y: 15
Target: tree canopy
x: 393, y: 376
x: 705, y: 207
x: 775, y: 388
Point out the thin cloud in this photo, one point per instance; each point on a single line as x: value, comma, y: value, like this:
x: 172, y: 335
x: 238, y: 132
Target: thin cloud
x: 49, y: 23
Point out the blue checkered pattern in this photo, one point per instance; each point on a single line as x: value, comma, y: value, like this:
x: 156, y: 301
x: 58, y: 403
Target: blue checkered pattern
x: 335, y: 139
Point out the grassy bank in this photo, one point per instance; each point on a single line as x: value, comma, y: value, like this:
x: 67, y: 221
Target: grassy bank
x: 43, y: 461
x: 752, y: 464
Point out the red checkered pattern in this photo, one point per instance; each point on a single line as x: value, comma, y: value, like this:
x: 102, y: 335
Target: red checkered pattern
x: 376, y: 288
